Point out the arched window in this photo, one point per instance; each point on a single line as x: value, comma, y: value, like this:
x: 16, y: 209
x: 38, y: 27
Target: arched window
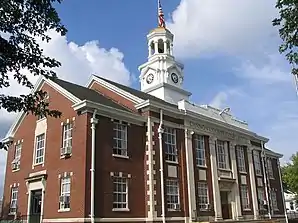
x: 152, y: 48
x: 161, y: 46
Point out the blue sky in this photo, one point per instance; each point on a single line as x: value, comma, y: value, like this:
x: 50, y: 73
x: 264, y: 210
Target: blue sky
x: 229, y: 49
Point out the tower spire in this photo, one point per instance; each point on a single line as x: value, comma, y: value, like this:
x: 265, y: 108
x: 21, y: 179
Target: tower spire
x: 161, y: 19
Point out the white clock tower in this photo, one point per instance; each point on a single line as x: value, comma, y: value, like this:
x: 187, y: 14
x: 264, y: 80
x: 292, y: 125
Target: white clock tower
x: 162, y: 76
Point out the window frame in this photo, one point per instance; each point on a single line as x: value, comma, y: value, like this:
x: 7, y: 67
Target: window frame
x: 14, y: 192
x: 257, y: 162
x: 120, y: 146
x: 119, y: 205
x: 171, y: 193
x: 37, y: 141
x: 269, y: 168
x: 67, y: 134
x: 261, y: 191
x: 199, y: 145
x: 245, y: 200
x: 222, y: 155
x: 241, y: 165
x: 66, y: 180
x: 202, y: 186
x: 170, y: 144
x: 274, y: 201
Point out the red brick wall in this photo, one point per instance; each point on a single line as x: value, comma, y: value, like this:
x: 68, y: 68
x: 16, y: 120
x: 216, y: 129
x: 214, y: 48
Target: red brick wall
x: 53, y: 164
x: 106, y: 163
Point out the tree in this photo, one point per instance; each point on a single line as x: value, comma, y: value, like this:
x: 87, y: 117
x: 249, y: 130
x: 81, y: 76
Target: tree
x: 21, y: 22
x: 290, y: 174
x: 288, y: 31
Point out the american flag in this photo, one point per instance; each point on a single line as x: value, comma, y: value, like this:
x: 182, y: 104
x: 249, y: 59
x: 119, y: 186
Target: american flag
x: 161, y: 20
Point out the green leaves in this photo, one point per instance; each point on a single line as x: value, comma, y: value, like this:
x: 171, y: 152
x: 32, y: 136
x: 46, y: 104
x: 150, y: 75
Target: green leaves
x: 21, y: 21
x: 290, y: 174
x: 288, y: 31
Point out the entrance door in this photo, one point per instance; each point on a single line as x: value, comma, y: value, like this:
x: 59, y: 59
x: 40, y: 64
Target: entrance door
x: 35, y: 206
x: 225, y: 206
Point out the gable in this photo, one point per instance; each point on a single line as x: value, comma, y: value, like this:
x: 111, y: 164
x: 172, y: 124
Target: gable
x: 40, y: 84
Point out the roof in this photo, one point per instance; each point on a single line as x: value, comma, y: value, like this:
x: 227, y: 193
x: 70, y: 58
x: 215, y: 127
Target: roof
x: 84, y: 93
x: 138, y: 93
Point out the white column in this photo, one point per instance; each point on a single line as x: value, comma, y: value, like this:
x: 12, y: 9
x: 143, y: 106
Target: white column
x: 155, y: 47
x: 165, y: 46
x: 215, y: 186
x: 149, y: 51
x: 190, y: 175
x: 238, y: 212
x: 253, y: 183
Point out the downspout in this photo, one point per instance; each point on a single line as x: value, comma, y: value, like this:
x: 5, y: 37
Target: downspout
x: 265, y: 179
x: 282, y: 191
x: 93, y: 122
x: 160, y: 132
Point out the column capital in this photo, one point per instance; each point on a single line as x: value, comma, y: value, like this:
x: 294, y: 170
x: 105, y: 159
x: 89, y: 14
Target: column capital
x: 249, y: 150
x: 233, y: 144
x: 212, y: 139
x: 189, y: 133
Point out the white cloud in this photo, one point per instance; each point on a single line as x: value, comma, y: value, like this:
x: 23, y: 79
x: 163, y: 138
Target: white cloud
x: 78, y: 63
x: 229, y: 26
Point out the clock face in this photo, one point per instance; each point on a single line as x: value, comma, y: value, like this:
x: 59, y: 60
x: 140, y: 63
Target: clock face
x: 149, y: 78
x: 175, y: 78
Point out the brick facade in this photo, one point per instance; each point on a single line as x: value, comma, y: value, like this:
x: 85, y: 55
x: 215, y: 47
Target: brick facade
x: 141, y: 166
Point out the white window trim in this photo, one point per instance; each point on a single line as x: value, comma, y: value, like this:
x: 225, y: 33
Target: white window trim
x: 63, y: 209
x: 257, y: 163
x: 247, y: 198
x: 198, y: 140
x: 226, y: 155
x: 270, y: 168
x: 174, y: 154
x: 35, y: 150
x: 126, y: 193
x: 14, y: 190
x: 67, y: 139
x: 125, y: 140
x: 274, y: 201
x: 241, y: 159
x: 205, y: 195
x: 169, y: 182
x: 17, y: 158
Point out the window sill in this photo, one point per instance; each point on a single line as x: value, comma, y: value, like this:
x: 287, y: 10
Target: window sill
x: 16, y: 170
x: 247, y: 209
x: 172, y: 162
x: 120, y: 156
x: 12, y: 213
x: 243, y: 172
x: 174, y: 210
x: 65, y: 156
x: 201, y: 166
x: 259, y: 174
x: 271, y: 178
x: 64, y: 210
x: 120, y: 209
x: 225, y: 170
x: 37, y: 164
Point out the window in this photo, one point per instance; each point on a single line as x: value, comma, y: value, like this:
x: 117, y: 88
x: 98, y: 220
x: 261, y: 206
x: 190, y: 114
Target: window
x: 120, y: 139
x: 17, y: 156
x: 257, y: 162
x: 65, y: 193
x: 203, y: 195
x: 13, y: 200
x: 260, y: 182
x: 222, y: 155
x: 240, y: 158
x: 274, y: 200
x: 120, y: 200
x: 269, y: 169
x: 39, y: 148
x: 170, y: 145
x: 200, y: 150
x: 172, y: 188
x: 261, y: 197
x: 244, y: 197
x: 67, y: 135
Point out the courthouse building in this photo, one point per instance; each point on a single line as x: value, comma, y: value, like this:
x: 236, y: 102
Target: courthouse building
x: 119, y: 154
